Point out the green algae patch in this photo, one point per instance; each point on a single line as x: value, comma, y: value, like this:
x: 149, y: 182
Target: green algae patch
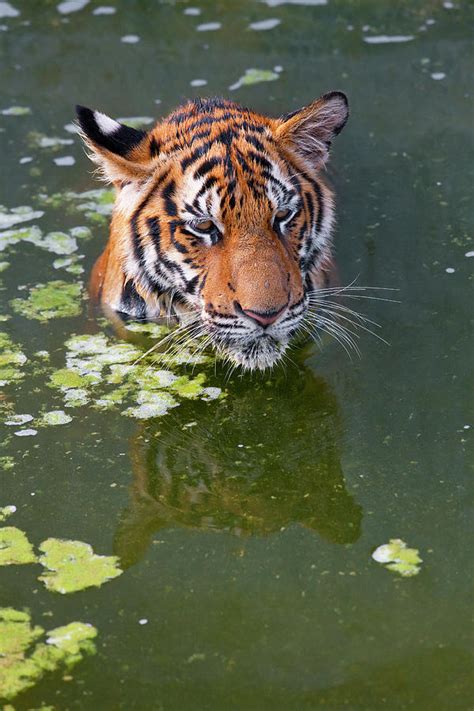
x: 6, y: 512
x: 64, y: 244
x: 7, y: 463
x: 96, y: 205
x: 23, y: 213
x: 55, y: 299
x: 40, y: 140
x: 397, y: 557
x: 136, y: 121
x: 70, y: 264
x: 16, y: 632
x: 31, y: 234
x: 54, y: 417
x: 61, y: 243
x: 73, y: 640
x: 76, y: 397
x: 148, y: 328
x: 190, y: 388
x: 110, y: 374
x: 67, y: 379
x: 15, y: 548
x: 24, y: 660
x: 11, y: 360
x: 254, y: 76
x: 151, y: 404
x: 16, y: 111
x: 73, y: 566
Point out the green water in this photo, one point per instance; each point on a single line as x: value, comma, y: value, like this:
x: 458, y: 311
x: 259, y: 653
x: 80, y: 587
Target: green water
x: 245, y: 525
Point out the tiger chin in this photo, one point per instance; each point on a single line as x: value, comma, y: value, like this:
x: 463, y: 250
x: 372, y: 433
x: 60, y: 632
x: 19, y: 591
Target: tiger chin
x: 222, y: 219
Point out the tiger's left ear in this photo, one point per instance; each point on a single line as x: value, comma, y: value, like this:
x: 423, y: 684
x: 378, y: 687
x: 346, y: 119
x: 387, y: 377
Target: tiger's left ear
x: 310, y: 130
x: 122, y: 153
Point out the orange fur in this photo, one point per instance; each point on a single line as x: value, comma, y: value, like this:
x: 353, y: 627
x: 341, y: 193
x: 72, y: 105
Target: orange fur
x: 252, y: 181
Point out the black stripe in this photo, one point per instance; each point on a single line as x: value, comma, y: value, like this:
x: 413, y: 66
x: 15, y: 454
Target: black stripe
x: 191, y: 285
x: 121, y: 141
x: 180, y: 247
x: 226, y: 137
x: 207, y: 184
x: 168, y: 194
x: 317, y: 189
x: 131, y: 302
x: 255, y: 142
x: 260, y: 160
x: 154, y: 230
x: 154, y: 147
x: 197, y: 153
x: 206, y: 166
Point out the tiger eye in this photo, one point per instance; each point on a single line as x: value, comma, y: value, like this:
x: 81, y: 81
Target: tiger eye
x: 205, y: 225
x: 282, y: 214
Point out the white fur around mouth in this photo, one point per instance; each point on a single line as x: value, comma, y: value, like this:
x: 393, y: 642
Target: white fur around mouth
x: 258, y: 354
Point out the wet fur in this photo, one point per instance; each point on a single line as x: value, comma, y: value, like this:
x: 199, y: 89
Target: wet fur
x: 246, y: 283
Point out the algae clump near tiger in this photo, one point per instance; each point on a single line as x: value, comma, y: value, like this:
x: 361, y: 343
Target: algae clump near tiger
x: 107, y: 374
x: 56, y: 299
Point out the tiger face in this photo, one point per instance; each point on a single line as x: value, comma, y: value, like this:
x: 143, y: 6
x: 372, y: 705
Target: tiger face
x: 221, y: 218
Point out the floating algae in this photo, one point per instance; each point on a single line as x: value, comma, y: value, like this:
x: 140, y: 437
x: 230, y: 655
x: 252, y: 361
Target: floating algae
x: 55, y: 299
x: 151, y: 404
x: 190, y: 388
x: 7, y: 463
x: 40, y: 140
x: 113, y: 374
x: 55, y: 417
x: 16, y: 420
x: 396, y: 556
x: 11, y: 361
x: 16, y: 631
x: 15, y: 548
x: 137, y: 121
x: 60, y: 243
x: 66, y: 379
x: 24, y: 213
x: 76, y: 397
x: 96, y: 204
x: 6, y: 512
x: 73, y: 566
x: 70, y: 264
x: 16, y: 111
x: 7, y: 10
x: 24, y: 661
x: 153, y: 330
x: 254, y: 76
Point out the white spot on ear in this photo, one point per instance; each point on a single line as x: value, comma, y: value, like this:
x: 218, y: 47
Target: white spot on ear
x: 105, y: 123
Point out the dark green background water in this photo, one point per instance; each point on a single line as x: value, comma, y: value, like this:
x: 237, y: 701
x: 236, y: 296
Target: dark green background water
x: 253, y: 564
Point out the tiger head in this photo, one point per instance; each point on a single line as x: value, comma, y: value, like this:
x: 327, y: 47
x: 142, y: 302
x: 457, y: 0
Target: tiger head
x: 222, y: 216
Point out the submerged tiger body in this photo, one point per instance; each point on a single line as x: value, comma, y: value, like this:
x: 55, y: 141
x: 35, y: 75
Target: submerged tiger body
x: 222, y: 218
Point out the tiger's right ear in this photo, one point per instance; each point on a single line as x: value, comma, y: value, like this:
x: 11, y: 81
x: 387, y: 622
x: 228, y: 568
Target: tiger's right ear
x: 122, y: 153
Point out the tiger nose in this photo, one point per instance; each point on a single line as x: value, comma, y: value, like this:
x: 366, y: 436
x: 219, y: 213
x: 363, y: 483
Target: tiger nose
x: 264, y: 318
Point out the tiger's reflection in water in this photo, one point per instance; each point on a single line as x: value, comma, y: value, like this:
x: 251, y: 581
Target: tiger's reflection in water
x: 261, y: 460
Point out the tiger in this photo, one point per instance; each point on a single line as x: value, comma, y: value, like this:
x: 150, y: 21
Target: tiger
x: 222, y: 219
